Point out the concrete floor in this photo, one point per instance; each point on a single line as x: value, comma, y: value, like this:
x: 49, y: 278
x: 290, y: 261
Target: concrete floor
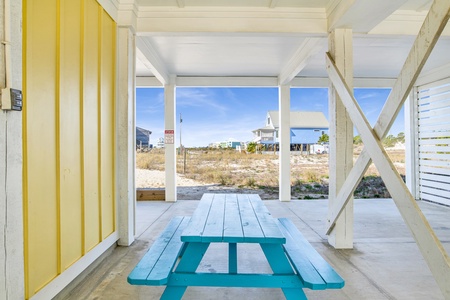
x: 384, y: 264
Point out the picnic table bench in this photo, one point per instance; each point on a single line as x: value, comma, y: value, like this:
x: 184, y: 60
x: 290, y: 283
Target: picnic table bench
x: 233, y: 219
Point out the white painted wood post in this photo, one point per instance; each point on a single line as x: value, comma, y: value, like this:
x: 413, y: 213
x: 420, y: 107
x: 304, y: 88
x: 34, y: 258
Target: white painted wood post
x: 284, y: 133
x: 341, y: 139
x: 12, y: 276
x: 411, y: 145
x: 170, y: 149
x: 126, y: 132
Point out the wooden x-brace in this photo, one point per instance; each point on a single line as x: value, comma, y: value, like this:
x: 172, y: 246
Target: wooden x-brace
x: 430, y: 246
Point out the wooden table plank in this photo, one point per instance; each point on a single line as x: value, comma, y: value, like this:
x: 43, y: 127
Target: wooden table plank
x: 266, y: 221
x: 213, y: 231
x: 250, y: 224
x: 232, y: 229
x: 195, y: 228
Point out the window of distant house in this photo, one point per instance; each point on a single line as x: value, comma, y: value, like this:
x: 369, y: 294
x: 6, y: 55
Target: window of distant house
x: 317, y: 130
x: 276, y: 134
x: 268, y: 121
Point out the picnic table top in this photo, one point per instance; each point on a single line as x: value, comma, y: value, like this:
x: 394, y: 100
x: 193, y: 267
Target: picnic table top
x: 232, y: 218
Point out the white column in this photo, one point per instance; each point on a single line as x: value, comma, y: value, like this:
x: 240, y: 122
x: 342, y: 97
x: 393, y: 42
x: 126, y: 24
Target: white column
x: 126, y: 132
x: 170, y: 149
x: 284, y: 133
x: 341, y: 138
x: 11, y: 181
x: 411, y: 145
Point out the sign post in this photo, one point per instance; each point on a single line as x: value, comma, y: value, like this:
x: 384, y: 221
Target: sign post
x: 169, y: 136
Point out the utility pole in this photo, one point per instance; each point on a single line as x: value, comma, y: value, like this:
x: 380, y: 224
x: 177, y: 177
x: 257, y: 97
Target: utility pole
x: 181, y: 145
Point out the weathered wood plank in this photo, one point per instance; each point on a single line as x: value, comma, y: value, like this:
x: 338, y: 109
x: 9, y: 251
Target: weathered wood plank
x: 150, y: 194
x: 267, y: 222
x: 299, y: 249
x: 250, y: 225
x: 197, y: 224
x: 232, y: 229
x: 213, y: 231
x: 145, y: 266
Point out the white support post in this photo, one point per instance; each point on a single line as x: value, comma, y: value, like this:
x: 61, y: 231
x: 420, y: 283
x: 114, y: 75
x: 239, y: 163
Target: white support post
x: 411, y: 143
x: 12, y: 275
x: 170, y: 148
x: 433, y: 25
x: 341, y: 139
x: 125, y: 173
x: 284, y: 132
x: 429, y: 244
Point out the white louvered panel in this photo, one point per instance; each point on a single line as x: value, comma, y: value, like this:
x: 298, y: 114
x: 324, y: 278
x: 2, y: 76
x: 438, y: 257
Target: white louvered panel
x: 434, y: 198
x: 434, y: 142
x: 434, y: 91
x: 436, y: 134
x: 433, y: 107
x: 433, y: 102
x: 434, y: 120
x: 432, y: 156
x: 434, y: 185
x: 433, y: 170
x: 435, y: 112
x: 433, y: 178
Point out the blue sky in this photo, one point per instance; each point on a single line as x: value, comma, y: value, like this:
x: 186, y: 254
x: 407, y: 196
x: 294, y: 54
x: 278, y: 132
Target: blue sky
x: 218, y: 114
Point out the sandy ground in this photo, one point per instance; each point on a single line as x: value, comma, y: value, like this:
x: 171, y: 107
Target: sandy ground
x: 189, y: 189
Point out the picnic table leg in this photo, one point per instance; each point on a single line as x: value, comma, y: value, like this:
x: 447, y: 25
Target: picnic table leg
x: 232, y: 258
x: 280, y: 265
x: 193, y: 255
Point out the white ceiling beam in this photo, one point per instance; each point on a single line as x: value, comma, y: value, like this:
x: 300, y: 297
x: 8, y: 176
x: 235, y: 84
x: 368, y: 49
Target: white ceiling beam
x: 273, y: 3
x: 227, y: 81
x: 151, y: 60
x: 300, y: 59
x: 297, y: 82
x: 147, y: 81
x: 360, y: 15
x: 232, y: 19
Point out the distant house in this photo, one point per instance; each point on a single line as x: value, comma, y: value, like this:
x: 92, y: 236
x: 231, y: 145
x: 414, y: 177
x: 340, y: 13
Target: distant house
x: 143, y: 138
x: 160, y: 143
x: 306, y: 127
x: 230, y: 143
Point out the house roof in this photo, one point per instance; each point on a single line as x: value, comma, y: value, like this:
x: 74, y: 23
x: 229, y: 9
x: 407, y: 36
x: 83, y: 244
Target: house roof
x: 266, y: 129
x: 143, y: 131
x: 302, y: 119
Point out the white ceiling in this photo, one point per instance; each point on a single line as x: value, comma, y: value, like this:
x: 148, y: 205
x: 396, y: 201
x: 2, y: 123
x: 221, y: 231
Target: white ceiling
x: 263, y: 38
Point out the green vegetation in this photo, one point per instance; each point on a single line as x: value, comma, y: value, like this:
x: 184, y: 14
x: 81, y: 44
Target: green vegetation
x: 324, y: 138
x: 389, y: 141
x: 251, y: 147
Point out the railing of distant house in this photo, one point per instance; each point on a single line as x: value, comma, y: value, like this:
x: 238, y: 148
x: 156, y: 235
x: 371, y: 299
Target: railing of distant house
x: 433, y: 140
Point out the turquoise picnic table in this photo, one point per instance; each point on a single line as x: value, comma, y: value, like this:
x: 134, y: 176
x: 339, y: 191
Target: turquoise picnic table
x: 233, y: 219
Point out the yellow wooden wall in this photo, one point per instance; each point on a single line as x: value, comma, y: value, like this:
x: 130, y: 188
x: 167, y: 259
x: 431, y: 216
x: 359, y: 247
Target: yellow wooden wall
x: 69, y: 91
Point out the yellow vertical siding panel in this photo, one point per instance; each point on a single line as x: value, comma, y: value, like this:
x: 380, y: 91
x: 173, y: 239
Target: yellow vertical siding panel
x: 25, y: 147
x: 41, y: 205
x: 69, y: 134
x: 90, y: 125
x: 107, y: 124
